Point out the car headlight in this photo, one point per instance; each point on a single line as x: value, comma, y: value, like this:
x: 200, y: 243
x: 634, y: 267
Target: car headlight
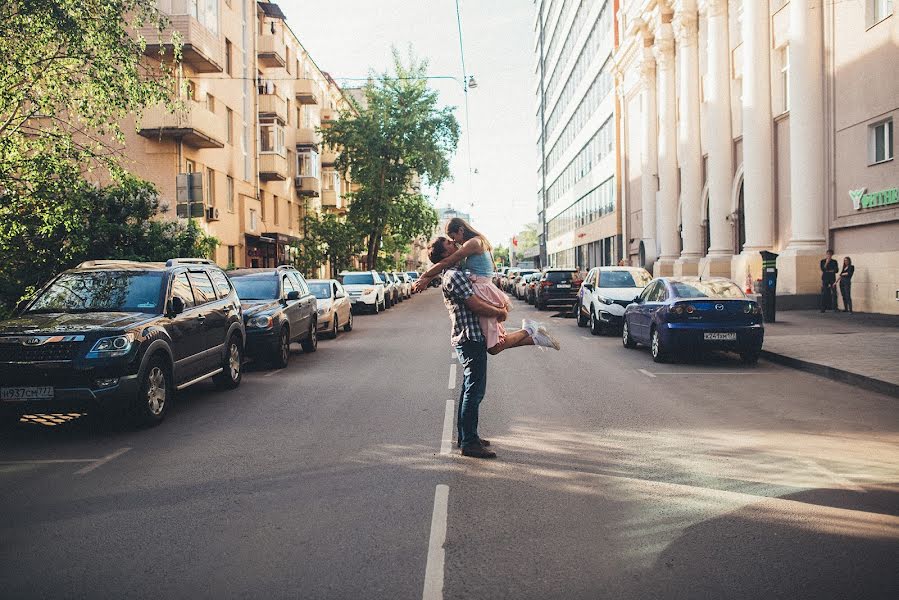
x: 322, y: 311
x: 603, y: 299
x: 367, y: 291
x: 260, y: 322
x: 117, y: 345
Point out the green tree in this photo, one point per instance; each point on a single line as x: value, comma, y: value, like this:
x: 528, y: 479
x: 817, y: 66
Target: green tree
x: 527, y: 238
x: 328, y: 238
x: 112, y: 222
x: 501, y: 255
x: 399, y: 140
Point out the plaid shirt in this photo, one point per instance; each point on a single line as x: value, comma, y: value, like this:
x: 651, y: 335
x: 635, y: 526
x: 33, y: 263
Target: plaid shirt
x: 456, y: 290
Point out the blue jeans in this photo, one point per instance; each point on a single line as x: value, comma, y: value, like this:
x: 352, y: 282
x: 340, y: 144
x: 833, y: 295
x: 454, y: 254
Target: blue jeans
x: 473, y: 357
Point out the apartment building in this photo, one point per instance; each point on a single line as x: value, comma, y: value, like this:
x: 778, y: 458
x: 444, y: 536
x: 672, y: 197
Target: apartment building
x: 575, y: 108
x: 750, y: 125
x: 244, y: 157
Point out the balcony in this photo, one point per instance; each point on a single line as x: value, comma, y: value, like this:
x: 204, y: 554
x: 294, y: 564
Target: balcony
x: 329, y: 155
x: 195, y: 125
x: 202, y: 50
x: 271, y: 52
x: 329, y: 115
x: 330, y: 199
x: 308, y: 136
x: 306, y: 91
x: 273, y: 106
x: 272, y: 167
x: 308, y: 186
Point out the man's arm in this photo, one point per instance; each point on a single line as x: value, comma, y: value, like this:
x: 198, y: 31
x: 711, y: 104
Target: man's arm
x: 484, y: 309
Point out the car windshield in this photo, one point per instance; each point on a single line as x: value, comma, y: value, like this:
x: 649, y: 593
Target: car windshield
x: 102, y: 291
x: 706, y: 289
x: 412, y: 275
x: 623, y: 279
x: 358, y: 279
x: 320, y: 290
x: 559, y: 276
x: 526, y: 273
x: 256, y: 287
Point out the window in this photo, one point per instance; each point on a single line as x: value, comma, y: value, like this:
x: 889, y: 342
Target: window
x: 202, y: 286
x: 230, y: 125
x: 228, y: 50
x: 253, y: 220
x: 190, y: 165
x: 275, y: 201
x: 181, y: 289
x: 229, y: 181
x: 190, y: 89
x: 881, y: 141
x: 262, y: 205
x: 271, y: 138
x: 300, y: 282
x: 231, y: 257
x: 210, y: 186
x: 287, y: 286
x: 307, y: 163
x: 878, y: 10
x: 785, y: 77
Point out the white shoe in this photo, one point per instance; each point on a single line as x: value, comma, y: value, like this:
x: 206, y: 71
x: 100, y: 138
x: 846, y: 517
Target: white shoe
x: 530, y: 326
x: 544, y: 338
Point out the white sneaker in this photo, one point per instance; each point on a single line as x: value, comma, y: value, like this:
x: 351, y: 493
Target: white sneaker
x: 530, y: 326
x: 544, y: 338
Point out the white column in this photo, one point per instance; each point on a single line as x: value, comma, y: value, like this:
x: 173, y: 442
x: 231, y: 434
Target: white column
x: 689, y: 150
x: 758, y: 129
x: 720, y: 143
x: 648, y: 184
x: 667, y: 140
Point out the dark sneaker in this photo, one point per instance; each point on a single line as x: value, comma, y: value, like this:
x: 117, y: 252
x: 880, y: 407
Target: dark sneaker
x: 484, y: 443
x: 478, y: 451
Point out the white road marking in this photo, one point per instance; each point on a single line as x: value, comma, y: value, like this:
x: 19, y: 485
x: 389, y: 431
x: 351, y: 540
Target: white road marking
x: 436, y: 554
x: 272, y: 372
x: 452, y: 377
x: 102, y: 461
x: 703, y: 373
x: 47, y: 462
x: 446, y: 440
x: 647, y: 373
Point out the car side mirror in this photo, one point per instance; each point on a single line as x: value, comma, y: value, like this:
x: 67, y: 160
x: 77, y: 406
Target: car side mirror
x: 637, y: 299
x: 177, y: 306
x: 293, y: 295
x: 339, y: 295
x: 588, y: 286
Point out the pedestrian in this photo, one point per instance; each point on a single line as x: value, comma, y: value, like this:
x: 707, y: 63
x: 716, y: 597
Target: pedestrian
x: 845, y: 284
x: 829, y: 270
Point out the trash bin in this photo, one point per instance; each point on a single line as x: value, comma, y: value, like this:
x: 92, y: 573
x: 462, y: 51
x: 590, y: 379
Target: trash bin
x: 768, y: 289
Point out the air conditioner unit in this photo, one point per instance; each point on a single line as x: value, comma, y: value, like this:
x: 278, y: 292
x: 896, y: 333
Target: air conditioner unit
x: 212, y: 213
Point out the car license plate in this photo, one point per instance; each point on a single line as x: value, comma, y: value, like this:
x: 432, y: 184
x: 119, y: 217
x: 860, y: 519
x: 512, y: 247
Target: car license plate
x: 26, y: 393
x: 719, y: 337
x: 563, y: 285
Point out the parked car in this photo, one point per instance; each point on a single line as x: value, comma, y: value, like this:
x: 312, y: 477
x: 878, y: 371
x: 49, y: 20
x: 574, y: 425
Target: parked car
x: 121, y: 336
x: 689, y: 315
x: 405, y: 284
x: 391, y: 289
x: 531, y: 293
x: 366, y: 290
x: 605, y: 294
x: 278, y: 309
x: 520, y: 282
x: 505, y: 282
x: 334, y: 307
x: 557, y: 287
x: 413, y: 276
x: 498, y: 277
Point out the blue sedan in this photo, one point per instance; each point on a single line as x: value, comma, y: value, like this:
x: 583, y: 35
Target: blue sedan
x: 676, y: 314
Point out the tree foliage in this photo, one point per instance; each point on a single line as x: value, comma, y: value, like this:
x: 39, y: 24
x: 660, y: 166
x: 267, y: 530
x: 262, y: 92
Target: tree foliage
x: 400, y: 140
x: 112, y: 222
x: 328, y: 238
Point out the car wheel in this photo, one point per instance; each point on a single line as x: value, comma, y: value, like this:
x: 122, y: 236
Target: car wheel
x: 655, y: 346
x: 281, y: 352
x: 349, y: 323
x: 540, y: 305
x: 154, y: 397
x: 626, y: 340
x: 230, y: 377
x: 334, y: 328
x: 750, y: 357
x: 310, y: 344
x: 596, y: 326
x: 376, y: 309
x: 582, y: 321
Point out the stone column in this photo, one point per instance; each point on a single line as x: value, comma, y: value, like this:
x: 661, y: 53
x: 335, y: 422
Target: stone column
x: 669, y: 239
x: 689, y: 150
x: 648, y: 184
x: 758, y: 141
x: 799, y: 271
x: 720, y: 143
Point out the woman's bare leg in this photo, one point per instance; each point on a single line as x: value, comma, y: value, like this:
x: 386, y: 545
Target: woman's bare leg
x: 513, y: 340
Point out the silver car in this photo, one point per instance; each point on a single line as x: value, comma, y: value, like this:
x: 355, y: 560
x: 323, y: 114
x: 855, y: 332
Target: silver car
x: 334, y: 306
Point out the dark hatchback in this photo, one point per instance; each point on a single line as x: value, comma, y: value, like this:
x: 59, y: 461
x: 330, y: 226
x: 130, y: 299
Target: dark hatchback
x: 121, y: 336
x: 278, y: 309
x: 557, y: 287
x: 688, y: 315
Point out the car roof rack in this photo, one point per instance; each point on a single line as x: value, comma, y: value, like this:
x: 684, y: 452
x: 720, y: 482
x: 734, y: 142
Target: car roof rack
x: 103, y: 262
x: 188, y: 261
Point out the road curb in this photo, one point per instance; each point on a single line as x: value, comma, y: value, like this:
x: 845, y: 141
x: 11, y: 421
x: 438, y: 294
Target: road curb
x: 863, y: 381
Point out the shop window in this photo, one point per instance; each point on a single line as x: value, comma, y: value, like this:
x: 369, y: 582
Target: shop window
x: 880, y: 143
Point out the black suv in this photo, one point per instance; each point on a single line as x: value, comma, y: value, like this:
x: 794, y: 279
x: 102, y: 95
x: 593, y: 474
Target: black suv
x: 117, y: 336
x: 557, y: 287
x: 278, y: 309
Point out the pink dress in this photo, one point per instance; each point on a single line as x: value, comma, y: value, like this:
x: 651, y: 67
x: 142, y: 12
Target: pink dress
x: 494, y: 331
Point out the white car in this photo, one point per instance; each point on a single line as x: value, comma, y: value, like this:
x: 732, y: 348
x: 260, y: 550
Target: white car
x: 521, y: 284
x: 405, y: 283
x: 605, y: 294
x: 366, y: 290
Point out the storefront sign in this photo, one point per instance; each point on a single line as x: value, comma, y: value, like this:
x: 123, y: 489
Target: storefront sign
x: 862, y: 200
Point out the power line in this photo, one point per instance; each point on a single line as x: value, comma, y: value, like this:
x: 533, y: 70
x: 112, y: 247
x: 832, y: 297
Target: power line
x: 467, y: 121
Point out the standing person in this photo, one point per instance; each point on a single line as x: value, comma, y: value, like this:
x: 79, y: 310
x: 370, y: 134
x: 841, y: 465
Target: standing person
x: 829, y: 270
x: 845, y: 284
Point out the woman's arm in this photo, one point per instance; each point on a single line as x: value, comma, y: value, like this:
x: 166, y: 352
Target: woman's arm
x: 472, y: 246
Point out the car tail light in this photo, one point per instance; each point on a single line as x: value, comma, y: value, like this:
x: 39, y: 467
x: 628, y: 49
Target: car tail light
x: 677, y: 309
x: 546, y: 283
x: 690, y: 309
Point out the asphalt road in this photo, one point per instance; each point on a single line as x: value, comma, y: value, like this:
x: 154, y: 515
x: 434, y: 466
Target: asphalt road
x: 616, y: 478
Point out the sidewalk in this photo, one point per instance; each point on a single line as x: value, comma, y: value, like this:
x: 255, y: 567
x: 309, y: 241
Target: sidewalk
x: 859, y: 349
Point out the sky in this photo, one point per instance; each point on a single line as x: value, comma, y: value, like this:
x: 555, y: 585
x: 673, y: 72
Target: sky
x: 348, y: 38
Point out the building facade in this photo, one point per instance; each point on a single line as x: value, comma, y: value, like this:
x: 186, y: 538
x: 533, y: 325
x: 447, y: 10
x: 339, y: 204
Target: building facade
x: 577, y: 195
x: 244, y: 156
x: 751, y: 125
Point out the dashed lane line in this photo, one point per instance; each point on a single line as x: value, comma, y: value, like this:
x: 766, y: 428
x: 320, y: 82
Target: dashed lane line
x: 433, y: 589
x: 102, y: 461
x: 452, y: 377
x: 647, y: 373
x: 446, y: 440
